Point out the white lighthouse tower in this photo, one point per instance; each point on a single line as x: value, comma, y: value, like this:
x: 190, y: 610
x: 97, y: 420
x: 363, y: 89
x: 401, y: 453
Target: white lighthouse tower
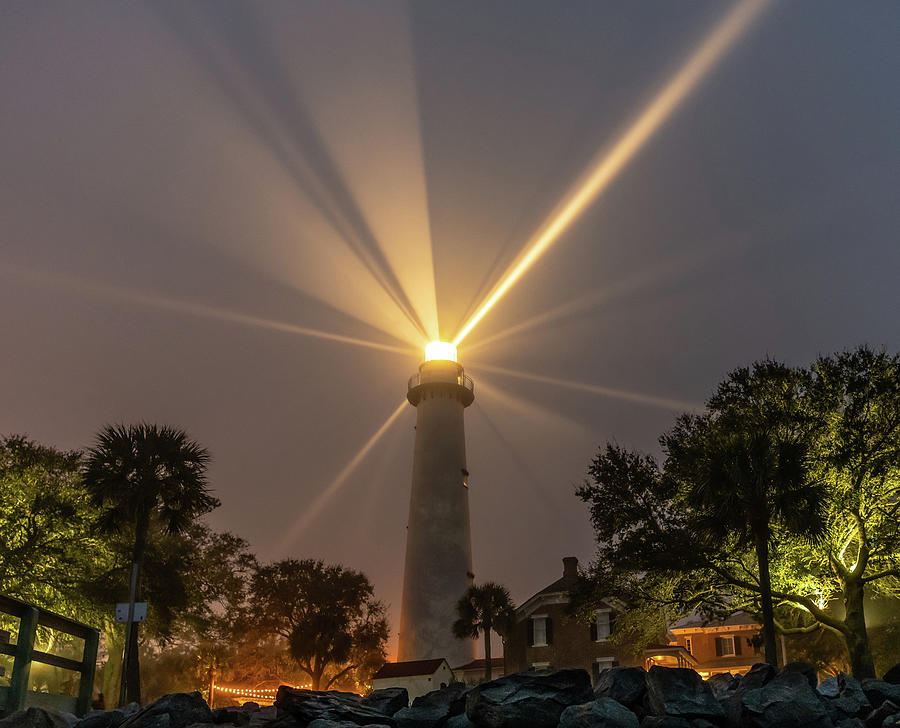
x: 438, y: 544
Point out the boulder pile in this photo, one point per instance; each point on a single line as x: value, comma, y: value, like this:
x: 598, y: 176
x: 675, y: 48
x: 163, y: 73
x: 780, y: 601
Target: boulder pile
x: 624, y: 697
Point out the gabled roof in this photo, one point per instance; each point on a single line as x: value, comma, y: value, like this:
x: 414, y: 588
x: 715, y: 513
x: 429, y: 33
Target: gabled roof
x: 479, y: 664
x: 564, y: 585
x: 409, y: 668
x: 697, y: 621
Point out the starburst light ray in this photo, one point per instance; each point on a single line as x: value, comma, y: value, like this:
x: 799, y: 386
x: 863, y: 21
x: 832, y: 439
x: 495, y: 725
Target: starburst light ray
x: 609, y: 164
x: 313, y: 510
x: 105, y: 291
x: 636, y: 397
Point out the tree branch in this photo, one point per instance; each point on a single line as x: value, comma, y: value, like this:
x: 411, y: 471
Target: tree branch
x: 338, y: 675
x: 881, y: 575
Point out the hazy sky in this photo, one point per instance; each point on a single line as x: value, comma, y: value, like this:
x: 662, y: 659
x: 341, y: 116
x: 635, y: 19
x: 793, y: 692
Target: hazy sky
x: 186, y: 189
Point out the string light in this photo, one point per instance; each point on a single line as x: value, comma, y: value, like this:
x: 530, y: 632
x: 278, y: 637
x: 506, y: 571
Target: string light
x: 267, y: 694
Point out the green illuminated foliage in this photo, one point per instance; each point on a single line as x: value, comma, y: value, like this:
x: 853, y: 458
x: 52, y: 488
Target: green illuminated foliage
x: 809, y: 458
x: 48, y: 549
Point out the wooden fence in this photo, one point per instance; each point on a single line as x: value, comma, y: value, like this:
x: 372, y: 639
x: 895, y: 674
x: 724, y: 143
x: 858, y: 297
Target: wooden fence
x: 17, y: 695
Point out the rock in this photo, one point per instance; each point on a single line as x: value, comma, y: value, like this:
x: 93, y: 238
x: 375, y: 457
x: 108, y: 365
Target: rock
x: 702, y: 723
x: 306, y: 706
x: 250, y: 707
x: 324, y: 723
x: 892, y: 676
x: 829, y: 687
x: 877, y: 716
x: 232, y: 716
x: 891, y: 721
x: 387, y: 701
x: 722, y: 684
x: 877, y: 691
x: 681, y: 693
x: 852, y: 700
x: 787, y: 702
x: 627, y: 685
x: 102, y: 719
x: 665, y: 721
x: 527, y: 699
x: 760, y: 674
x: 845, y: 695
x: 756, y: 677
x: 177, y: 710
x: 36, y: 718
x: 802, y: 668
x: 601, y: 713
x: 433, y: 709
x: 850, y: 723
x: 460, y: 721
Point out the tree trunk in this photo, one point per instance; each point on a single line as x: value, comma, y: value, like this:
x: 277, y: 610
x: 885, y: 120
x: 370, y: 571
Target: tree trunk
x: 765, y: 592
x: 857, y: 639
x: 315, y: 674
x: 487, y: 654
x: 133, y: 667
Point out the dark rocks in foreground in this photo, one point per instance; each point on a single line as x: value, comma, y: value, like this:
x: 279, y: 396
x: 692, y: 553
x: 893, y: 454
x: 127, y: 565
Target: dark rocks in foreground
x: 624, y: 697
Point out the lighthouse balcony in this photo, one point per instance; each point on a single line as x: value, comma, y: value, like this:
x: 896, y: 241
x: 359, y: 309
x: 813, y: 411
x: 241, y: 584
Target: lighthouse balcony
x: 460, y: 385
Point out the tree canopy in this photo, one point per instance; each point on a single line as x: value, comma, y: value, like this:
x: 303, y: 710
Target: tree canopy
x: 826, y: 472
x: 48, y: 549
x: 482, y: 609
x: 328, y: 614
x: 140, y: 477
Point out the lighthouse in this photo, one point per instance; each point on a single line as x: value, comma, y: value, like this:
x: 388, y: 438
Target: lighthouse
x: 438, y: 567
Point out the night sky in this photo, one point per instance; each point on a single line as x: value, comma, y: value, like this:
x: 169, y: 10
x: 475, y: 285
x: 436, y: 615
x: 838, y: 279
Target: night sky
x: 187, y: 188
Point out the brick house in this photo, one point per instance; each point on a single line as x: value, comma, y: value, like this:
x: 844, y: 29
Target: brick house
x: 544, y: 636
x: 731, y: 645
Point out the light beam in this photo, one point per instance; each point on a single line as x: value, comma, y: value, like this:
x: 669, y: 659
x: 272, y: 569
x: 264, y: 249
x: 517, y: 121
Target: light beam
x: 636, y: 397
x: 335, y: 485
x: 614, y: 289
x: 191, y: 308
x: 607, y: 165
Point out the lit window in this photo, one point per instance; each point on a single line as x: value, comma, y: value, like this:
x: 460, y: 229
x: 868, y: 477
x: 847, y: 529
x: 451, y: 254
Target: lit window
x: 724, y: 646
x: 465, y: 478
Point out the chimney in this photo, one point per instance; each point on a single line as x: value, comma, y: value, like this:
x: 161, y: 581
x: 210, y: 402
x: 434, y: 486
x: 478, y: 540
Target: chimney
x: 570, y: 567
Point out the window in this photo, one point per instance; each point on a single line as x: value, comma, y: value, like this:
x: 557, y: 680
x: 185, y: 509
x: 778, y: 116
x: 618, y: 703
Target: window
x: 601, y: 664
x: 601, y: 626
x: 540, y: 631
x: 687, y: 645
x: 726, y: 646
x: 465, y: 478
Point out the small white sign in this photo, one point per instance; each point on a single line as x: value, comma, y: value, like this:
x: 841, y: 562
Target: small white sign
x: 140, y: 612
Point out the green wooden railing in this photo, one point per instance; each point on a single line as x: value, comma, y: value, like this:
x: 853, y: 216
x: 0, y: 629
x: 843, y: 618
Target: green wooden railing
x: 23, y: 653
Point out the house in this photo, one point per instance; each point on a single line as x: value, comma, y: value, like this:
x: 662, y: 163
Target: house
x: 544, y: 636
x: 472, y: 673
x: 731, y: 645
x: 417, y: 676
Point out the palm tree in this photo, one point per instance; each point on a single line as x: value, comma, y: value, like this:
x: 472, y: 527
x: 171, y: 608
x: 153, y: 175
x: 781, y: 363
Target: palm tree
x: 745, y: 468
x: 482, y: 609
x: 144, y: 476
